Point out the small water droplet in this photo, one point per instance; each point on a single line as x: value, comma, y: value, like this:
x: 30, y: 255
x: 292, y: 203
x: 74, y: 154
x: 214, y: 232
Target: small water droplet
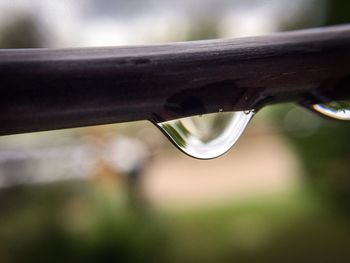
x: 208, y: 136
x: 339, y: 110
x: 247, y: 112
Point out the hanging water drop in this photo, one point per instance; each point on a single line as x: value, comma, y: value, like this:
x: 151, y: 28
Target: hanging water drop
x: 339, y: 110
x: 208, y: 136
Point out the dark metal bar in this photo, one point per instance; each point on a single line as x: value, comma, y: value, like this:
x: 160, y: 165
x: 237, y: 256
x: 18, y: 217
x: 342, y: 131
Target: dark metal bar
x: 44, y: 89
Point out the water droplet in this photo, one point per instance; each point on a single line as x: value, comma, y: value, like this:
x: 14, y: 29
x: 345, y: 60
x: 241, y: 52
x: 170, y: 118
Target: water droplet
x: 208, y: 136
x: 339, y: 110
x: 247, y: 112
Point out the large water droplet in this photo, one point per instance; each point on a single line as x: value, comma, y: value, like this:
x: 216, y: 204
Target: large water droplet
x: 206, y: 136
x: 339, y: 110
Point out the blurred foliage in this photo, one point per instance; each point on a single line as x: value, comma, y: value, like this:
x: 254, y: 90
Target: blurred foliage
x: 203, y: 28
x: 338, y: 12
x: 22, y: 32
x: 78, y: 222
x: 324, y: 153
x: 73, y: 222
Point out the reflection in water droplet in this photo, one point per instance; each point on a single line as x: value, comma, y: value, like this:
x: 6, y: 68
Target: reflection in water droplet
x: 337, y: 110
x: 247, y: 112
x: 208, y: 136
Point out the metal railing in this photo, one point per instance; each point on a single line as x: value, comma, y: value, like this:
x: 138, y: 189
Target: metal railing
x: 45, y: 89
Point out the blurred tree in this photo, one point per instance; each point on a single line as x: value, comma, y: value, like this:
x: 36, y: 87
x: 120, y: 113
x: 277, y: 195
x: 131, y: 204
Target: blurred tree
x: 202, y: 28
x: 338, y: 12
x: 22, y: 32
x: 312, y: 15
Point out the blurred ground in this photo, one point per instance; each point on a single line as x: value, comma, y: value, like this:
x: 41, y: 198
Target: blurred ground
x: 247, y: 171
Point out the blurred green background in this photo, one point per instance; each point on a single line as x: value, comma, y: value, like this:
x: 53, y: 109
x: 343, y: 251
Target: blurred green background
x: 122, y: 193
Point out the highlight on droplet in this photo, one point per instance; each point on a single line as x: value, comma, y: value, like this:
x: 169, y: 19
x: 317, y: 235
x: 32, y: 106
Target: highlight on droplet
x: 339, y: 110
x: 206, y: 136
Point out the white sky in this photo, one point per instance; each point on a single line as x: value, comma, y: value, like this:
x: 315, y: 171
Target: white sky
x: 108, y: 22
